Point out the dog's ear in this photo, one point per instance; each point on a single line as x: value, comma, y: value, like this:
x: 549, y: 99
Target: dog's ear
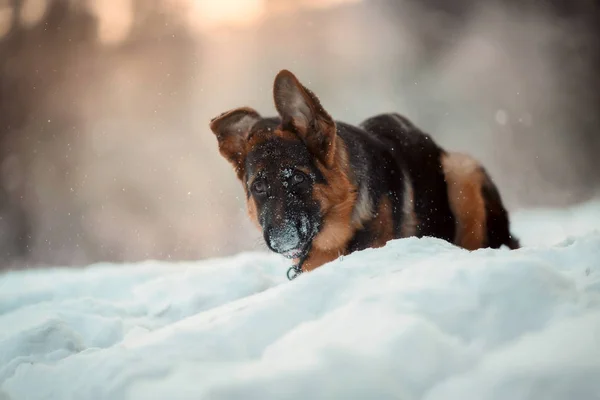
x: 301, y: 111
x: 232, y: 128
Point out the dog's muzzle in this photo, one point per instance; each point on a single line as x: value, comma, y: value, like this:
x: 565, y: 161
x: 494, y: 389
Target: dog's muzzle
x: 288, y: 239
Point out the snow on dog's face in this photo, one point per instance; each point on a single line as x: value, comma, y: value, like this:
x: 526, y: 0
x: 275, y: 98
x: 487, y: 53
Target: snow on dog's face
x: 294, y: 168
x: 280, y: 178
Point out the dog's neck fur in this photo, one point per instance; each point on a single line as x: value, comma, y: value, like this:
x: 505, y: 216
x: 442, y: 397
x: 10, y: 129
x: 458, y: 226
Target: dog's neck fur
x: 355, y: 209
x: 351, y: 210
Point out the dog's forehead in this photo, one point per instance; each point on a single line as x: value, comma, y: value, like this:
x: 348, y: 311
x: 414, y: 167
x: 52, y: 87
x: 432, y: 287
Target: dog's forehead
x: 277, y: 153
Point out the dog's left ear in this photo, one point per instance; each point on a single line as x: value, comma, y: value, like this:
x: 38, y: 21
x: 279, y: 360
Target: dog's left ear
x: 232, y: 128
x: 301, y: 111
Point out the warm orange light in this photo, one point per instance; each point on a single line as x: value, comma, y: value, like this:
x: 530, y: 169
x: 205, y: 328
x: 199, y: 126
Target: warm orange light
x: 6, y: 15
x: 326, y: 3
x: 32, y: 12
x: 208, y: 14
x: 114, y: 19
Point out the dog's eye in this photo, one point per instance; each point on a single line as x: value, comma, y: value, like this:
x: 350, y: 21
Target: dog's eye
x: 259, y: 187
x: 297, y: 178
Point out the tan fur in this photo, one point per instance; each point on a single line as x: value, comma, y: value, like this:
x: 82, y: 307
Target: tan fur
x: 318, y: 257
x: 252, y: 212
x: 363, y: 209
x: 231, y: 129
x: 383, y: 223
x: 337, y: 201
x: 464, y: 179
x: 410, y: 221
x: 338, y: 231
x: 286, y: 135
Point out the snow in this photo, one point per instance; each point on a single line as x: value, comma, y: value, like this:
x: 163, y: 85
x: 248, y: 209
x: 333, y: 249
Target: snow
x: 417, y: 319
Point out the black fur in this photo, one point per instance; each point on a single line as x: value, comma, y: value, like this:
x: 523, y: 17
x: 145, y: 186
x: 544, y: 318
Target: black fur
x: 284, y: 203
x: 379, y: 152
x: 498, y: 232
x: 420, y: 156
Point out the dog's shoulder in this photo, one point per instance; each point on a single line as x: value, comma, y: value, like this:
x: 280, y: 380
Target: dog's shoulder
x: 401, y: 134
x: 393, y: 119
x: 394, y: 126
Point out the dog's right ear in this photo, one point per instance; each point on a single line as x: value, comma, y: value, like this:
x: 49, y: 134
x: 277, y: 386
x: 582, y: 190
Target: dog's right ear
x: 232, y: 128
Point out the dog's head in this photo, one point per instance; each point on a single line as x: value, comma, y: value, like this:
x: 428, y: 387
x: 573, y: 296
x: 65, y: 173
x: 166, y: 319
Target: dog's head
x: 284, y: 164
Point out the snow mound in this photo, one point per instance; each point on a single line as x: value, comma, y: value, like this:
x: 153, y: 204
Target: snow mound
x: 417, y: 319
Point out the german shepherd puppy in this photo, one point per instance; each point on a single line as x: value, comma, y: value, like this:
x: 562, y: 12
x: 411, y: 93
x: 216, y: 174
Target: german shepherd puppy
x: 320, y: 188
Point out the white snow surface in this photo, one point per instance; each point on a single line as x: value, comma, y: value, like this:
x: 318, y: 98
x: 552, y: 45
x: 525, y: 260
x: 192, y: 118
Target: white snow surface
x: 417, y: 319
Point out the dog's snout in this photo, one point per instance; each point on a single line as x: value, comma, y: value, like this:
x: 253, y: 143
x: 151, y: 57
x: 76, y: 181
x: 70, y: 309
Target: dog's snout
x: 282, y: 238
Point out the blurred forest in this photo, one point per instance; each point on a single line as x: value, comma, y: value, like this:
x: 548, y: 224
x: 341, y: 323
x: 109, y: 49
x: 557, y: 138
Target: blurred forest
x: 105, y: 151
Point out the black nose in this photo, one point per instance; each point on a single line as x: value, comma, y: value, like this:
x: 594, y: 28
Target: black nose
x: 282, y: 238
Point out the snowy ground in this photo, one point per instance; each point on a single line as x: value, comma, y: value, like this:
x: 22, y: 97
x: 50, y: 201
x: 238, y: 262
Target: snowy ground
x: 418, y: 319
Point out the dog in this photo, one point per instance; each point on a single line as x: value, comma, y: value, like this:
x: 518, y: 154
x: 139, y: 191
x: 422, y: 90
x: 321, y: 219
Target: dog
x: 320, y: 188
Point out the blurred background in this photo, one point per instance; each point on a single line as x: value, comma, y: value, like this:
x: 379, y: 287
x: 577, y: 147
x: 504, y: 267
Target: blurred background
x: 105, y: 151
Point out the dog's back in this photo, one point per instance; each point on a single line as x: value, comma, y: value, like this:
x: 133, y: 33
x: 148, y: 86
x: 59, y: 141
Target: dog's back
x: 454, y: 197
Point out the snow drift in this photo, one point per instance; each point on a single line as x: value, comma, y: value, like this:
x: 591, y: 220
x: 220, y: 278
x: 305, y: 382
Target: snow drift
x: 417, y: 319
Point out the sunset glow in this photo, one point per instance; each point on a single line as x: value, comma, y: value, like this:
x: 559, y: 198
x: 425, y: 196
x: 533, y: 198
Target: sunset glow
x: 207, y: 14
x: 33, y: 11
x: 115, y: 18
x: 6, y: 14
